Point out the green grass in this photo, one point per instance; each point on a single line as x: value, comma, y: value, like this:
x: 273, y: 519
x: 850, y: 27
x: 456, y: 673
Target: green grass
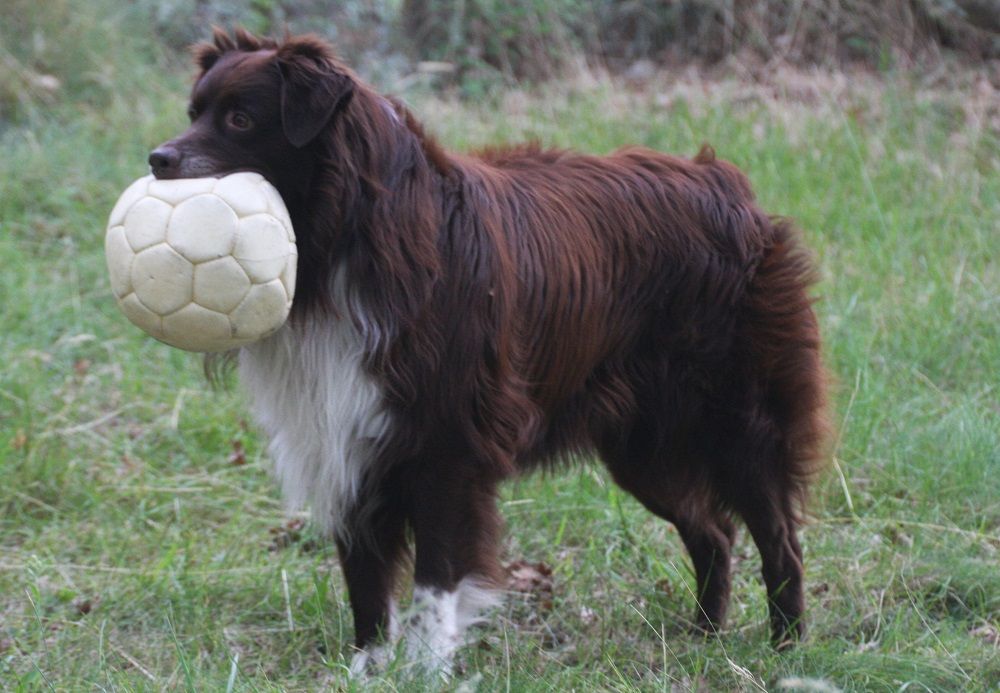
x: 134, y: 555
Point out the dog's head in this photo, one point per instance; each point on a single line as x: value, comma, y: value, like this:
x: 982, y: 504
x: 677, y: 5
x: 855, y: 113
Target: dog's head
x: 257, y: 105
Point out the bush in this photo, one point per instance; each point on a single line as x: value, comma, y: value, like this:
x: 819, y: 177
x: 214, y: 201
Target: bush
x: 356, y: 26
x: 53, y: 51
x: 534, y: 38
x: 517, y: 38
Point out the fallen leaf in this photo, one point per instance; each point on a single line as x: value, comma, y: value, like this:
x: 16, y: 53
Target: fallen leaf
x: 534, y: 579
x: 897, y: 536
x: 666, y: 586
x: 20, y: 439
x: 988, y: 632
x: 821, y: 588
x: 238, y: 457
x: 285, y: 535
x: 528, y: 577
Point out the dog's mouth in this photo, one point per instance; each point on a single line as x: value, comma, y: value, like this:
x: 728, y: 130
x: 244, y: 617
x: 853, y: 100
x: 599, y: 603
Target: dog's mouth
x: 188, y: 167
x: 199, y: 167
x: 170, y: 161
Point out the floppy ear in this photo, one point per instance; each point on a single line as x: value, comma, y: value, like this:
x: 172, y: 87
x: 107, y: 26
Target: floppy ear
x: 312, y: 90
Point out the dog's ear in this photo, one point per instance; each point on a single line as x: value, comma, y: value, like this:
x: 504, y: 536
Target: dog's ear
x: 313, y: 89
x: 207, y: 54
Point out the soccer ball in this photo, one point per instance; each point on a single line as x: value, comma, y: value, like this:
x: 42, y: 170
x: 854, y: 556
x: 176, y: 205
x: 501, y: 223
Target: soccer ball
x: 203, y: 264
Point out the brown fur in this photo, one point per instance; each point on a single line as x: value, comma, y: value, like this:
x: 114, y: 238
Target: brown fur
x: 522, y: 306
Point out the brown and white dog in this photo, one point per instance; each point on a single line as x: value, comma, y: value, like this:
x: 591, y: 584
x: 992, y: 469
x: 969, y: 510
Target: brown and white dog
x: 463, y: 318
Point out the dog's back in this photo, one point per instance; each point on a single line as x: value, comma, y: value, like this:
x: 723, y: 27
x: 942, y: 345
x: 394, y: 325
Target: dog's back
x: 624, y: 270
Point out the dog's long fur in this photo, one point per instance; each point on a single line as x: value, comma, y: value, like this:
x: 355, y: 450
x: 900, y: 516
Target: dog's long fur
x: 461, y: 318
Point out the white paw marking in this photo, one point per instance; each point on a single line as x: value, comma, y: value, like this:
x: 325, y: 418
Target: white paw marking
x: 432, y: 629
x: 436, y: 623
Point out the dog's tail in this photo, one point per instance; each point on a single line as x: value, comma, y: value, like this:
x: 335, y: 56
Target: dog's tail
x: 782, y: 333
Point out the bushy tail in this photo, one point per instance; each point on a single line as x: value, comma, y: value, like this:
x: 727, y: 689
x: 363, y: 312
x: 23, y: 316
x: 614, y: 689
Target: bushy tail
x: 783, y: 335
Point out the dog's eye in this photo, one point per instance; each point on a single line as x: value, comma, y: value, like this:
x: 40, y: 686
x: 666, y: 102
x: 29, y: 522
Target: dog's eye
x: 192, y: 114
x: 238, y: 120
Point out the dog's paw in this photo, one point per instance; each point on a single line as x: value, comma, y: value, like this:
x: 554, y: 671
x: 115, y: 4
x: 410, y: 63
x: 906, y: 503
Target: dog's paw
x: 370, y: 661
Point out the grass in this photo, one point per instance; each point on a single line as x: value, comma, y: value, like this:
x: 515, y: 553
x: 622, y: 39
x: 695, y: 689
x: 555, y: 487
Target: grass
x: 140, y: 551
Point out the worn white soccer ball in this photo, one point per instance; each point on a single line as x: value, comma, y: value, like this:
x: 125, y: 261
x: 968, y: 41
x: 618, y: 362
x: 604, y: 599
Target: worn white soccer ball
x: 203, y: 264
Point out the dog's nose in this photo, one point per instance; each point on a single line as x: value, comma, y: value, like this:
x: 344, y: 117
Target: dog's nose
x: 165, y: 161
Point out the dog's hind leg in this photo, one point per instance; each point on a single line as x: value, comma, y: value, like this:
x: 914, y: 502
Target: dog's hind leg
x: 706, y: 532
x: 671, y: 485
x: 771, y: 520
x: 709, y: 542
x: 756, y: 473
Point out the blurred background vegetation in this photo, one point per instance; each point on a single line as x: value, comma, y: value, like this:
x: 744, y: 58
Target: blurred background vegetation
x: 61, y: 50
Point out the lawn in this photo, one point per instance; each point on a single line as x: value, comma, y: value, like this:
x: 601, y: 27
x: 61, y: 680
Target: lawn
x: 144, y: 546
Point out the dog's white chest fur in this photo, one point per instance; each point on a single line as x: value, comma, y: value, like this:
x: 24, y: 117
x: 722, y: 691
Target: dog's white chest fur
x: 322, y: 412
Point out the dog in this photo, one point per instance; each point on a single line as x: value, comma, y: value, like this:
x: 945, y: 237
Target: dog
x: 462, y: 318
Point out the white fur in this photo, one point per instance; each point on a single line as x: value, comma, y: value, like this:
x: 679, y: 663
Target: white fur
x: 474, y: 600
x: 432, y: 629
x: 436, y: 626
x: 323, y: 413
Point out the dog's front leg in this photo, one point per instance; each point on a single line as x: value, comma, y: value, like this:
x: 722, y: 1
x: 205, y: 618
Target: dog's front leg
x: 456, y: 527
x: 370, y: 554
